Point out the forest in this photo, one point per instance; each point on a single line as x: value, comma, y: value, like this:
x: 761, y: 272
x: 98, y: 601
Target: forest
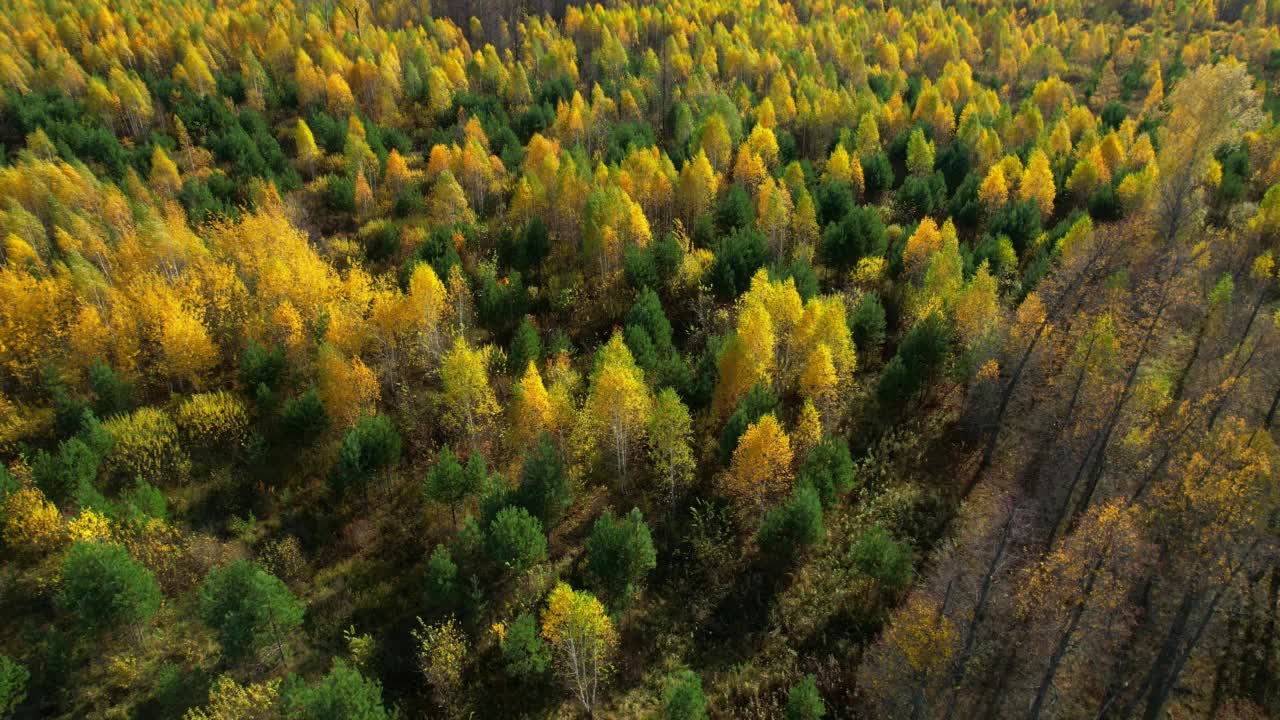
x: 639, y: 359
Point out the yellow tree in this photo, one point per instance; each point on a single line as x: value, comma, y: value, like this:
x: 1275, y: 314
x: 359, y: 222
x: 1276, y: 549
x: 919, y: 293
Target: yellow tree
x: 164, y: 174
x: 698, y: 187
x: 670, y: 436
x: 306, y: 150
x: 1037, y: 183
x: 994, y: 190
x: 531, y: 410
x: 229, y: 700
x: 760, y: 472
x: 467, y: 394
x: 584, y: 639
x: 618, y: 404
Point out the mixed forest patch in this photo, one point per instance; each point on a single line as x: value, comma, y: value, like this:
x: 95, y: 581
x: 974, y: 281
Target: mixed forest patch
x: 682, y: 359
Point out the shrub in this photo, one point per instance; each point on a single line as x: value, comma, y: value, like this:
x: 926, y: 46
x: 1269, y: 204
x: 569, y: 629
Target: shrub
x: 103, y: 585
x: 145, y: 444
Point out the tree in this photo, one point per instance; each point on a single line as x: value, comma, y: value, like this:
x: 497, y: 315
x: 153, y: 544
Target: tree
x: 760, y: 473
x: 670, y: 436
x: 526, y: 347
x: 467, y: 392
x: 804, y: 702
x: 584, y: 639
x: 618, y: 405
x: 63, y: 475
x: 524, y: 651
x: 794, y: 525
x: 304, y: 143
x: 249, y: 609
x: 13, y: 685
x: 994, y: 189
x: 515, y: 540
x: 544, y: 488
x: 371, y: 446
x: 877, y: 554
x: 857, y: 235
x: 448, y: 484
x: 919, y: 153
x: 164, y: 177
x: 698, y: 186
x: 442, y: 649
x: 683, y: 698
x: 1036, y: 184
x: 441, y: 578
x: 342, y: 694
x: 619, y: 554
x: 104, y: 586
x: 829, y: 469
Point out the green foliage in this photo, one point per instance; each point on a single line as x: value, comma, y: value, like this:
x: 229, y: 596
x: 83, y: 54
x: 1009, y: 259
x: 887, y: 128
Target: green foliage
x: 860, y: 233
x: 740, y: 254
x: 683, y: 699
x: 103, y: 586
x: 524, y: 652
x: 867, y: 325
x: 515, y: 540
x: 372, y: 445
x: 526, y: 347
x: 13, y: 685
x: 441, y: 579
x: 919, y: 359
x: 829, y: 469
x: 882, y: 558
x: 260, y: 366
x: 804, y: 702
x: 304, y: 417
x: 248, y: 608
x: 449, y: 484
x: 619, y: 554
x: 62, y: 476
x: 544, y: 488
x: 795, y: 525
x: 342, y: 694
x: 111, y: 393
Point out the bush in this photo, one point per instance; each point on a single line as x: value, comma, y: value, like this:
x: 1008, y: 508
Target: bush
x: 804, y: 702
x: 515, y: 540
x: 146, y: 445
x: 882, y: 558
x: 103, y: 586
x: 61, y: 476
x: 683, y: 699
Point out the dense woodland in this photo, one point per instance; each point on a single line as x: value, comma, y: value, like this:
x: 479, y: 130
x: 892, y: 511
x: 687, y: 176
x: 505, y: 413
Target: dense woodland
x: 366, y: 359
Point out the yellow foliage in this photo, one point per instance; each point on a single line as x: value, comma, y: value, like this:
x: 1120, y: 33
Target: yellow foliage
x: 212, y: 418
x: 31, y: 523
x: 89, y: 526
x: 146, y: 444
x: 760, y: 472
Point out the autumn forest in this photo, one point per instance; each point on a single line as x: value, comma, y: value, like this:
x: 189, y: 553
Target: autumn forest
x: 680, y: 359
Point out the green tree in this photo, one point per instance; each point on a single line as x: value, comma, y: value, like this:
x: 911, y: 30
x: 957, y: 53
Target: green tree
x: 828, y: 467
x: 515, y: 540
x: 544, y: 485
x: 104, y: 586
x: 248, y: 608
x: 858, y: 234
x: 804, y: 702
x: 883, y: 558
x: 619, y: 554
x: 526, y: 347
x: 683, y: 698
x: 63, y: 475
x: 372, y: 445
x: 441, y: 579
x: 524, y: 651
x: 448, y: 483
x: 794, y: 525
x: 342, y: 694
x: 13, y: 685
x: 304, y: 417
